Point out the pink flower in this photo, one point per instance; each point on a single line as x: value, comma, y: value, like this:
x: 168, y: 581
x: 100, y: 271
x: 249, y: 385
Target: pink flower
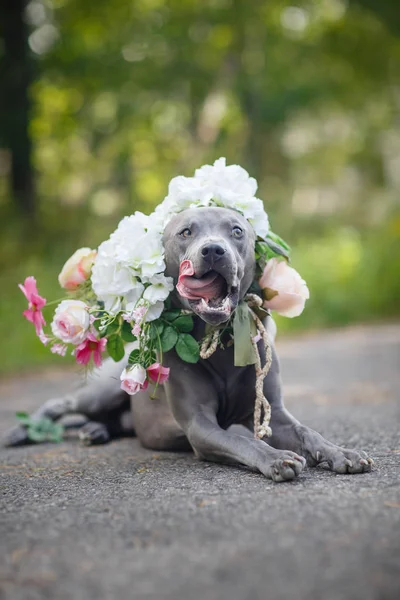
x: 134, y: 379
x: 77, y: 269
x: 43, y: 338
x: 136, y: 330
x: 139, y: 313
x: 283, y: 289
x: 91, y: 345
x: 59, y: 349
x: 36, y: 303
x: 158, y: 373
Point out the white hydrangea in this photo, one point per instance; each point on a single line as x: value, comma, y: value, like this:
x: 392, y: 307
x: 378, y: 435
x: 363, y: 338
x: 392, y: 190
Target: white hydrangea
x: 129, y: 268
x: 131, y: 258
x: 215, y: 185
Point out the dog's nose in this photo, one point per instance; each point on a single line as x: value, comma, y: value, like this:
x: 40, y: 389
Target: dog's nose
x: 212, y: 252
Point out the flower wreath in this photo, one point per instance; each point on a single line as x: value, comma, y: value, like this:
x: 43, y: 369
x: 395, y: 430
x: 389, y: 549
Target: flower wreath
x: 120, y: 293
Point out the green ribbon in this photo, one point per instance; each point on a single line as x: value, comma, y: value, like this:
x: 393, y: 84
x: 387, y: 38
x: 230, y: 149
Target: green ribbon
x: 244, y: 329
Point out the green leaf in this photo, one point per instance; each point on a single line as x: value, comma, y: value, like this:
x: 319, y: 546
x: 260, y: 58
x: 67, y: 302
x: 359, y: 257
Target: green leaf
x: 278, y: 250
x: 242, y: 333
x: 36, y: 435
x: 113, y: 327
x: 96, y: 324
x: 23, y: 418
x: 184, y: 324
x: 134, y: 357
x: 171, y: 315
x: 156, y: 329
x: 168, y: 338
x: 126, y: 332
x: 56, y: 435
x: 278, y: 240
x: 115, y: 347
x: 187, y: 348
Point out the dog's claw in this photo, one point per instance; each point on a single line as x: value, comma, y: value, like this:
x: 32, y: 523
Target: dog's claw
x: 348, y: 462
x: 370, y: 461
x: 363, y: 461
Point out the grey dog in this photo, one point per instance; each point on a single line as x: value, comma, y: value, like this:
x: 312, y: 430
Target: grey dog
x: 196, y: 407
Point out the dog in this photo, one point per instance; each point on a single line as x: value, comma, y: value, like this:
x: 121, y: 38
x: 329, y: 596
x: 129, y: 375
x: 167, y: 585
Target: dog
x: 195, y: 408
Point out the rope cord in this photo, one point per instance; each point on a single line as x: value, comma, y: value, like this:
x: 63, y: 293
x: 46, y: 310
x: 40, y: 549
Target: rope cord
x: 262, y: 409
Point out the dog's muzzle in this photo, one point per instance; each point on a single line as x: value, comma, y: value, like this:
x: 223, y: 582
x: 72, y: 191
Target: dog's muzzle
x: 212, y: 293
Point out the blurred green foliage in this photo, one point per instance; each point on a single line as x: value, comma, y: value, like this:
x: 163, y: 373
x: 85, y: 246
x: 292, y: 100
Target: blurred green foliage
x: 128, y: 94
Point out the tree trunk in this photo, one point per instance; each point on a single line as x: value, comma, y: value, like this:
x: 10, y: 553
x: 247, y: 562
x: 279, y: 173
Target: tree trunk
x: 15, y: 77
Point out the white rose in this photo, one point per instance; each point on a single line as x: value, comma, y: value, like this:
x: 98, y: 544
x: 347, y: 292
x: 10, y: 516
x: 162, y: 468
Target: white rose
x: 77, y: 268
x: 71, y: 321
x: 283, y: 288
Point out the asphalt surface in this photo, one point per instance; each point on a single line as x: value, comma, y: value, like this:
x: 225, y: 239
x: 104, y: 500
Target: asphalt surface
x: 118, y: 521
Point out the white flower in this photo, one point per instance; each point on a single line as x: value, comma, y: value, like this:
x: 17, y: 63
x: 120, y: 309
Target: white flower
x: 159, y: 289
x: 71, y: 321
x: 154, y: 312
x: 151, y: 255
x: 228, y: 184
x: 112, y: 279
x: 139, y: 249
x: 215, y: 185
x: 132, y: 297
x: 186, y: 191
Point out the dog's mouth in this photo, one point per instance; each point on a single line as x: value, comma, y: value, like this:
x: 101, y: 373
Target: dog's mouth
x: 210, y: 295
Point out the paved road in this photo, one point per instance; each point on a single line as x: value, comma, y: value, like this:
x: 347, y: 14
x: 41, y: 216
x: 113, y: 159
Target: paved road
x: 119, y: 522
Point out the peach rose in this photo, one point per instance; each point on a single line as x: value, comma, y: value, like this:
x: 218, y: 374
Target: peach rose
x: 283, y: 289
x: 77, y: 268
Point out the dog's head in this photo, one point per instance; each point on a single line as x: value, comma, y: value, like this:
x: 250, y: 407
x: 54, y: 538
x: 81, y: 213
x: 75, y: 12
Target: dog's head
x: 210, y: 253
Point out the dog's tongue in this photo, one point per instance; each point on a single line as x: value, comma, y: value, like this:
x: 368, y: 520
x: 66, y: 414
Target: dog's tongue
x: 209, y: 286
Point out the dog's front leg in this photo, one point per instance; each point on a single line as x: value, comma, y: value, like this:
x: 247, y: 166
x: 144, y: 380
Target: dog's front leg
x: 288, y: 433
x: 194, y: 403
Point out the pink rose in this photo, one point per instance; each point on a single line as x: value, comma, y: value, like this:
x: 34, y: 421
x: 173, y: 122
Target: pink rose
x: 77, y: 269
x: 71, y: 322
x: 283, y: 289
x: 158, y: 373
x: 134, y: 379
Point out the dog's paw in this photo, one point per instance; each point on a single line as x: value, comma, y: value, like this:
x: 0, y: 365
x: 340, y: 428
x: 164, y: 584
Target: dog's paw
x: 342, y: 460
x: 17, y: 436
x: 283, y: 466
x: 94, y: 433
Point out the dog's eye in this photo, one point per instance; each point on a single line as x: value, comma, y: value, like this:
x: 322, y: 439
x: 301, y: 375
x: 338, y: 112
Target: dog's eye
x: 186, y: 233
x: 237, y: 232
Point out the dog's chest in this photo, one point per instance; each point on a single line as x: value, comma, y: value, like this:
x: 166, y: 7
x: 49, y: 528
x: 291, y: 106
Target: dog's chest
x: 235, y: 387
